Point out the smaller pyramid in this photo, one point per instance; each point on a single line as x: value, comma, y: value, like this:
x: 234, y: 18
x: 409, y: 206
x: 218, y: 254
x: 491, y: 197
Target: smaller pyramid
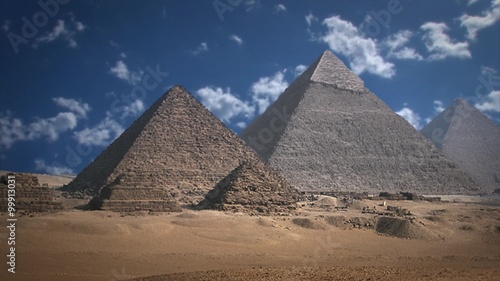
x: 471, y: 140
x: 30, y: 195
x: 253, y: 187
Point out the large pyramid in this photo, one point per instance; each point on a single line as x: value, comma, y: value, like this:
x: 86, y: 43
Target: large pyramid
x: 176, y: 151
x: 327, y: 131
x: 470, y: 139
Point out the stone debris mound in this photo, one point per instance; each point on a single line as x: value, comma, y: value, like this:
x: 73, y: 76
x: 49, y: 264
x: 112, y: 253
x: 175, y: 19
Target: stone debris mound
x: 327, y: 131
x: 471, y: 140
x: 30, y: 195
x: 254, y: 188
x: 403, y: 228
x: 174, y: 153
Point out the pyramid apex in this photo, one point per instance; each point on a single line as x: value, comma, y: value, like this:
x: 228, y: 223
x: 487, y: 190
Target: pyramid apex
x: 330, y: 69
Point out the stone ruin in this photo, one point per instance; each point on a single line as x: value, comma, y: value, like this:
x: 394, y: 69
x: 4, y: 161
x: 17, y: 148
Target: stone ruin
x: 254, y: 188
x: 327, y: 131
x: 30, y: 195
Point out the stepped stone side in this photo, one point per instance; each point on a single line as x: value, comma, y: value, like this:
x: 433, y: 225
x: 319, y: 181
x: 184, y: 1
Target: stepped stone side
x: 29, y: 194
x: 253, y: 187
x: 347, y: 139
x: 177, y: 150
x: 471, y: 140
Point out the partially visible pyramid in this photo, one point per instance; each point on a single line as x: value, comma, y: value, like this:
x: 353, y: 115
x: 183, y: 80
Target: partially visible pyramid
x: 327, y: 131
x: 471, y: 140
x: 176, y: 151
x: 253, y: 187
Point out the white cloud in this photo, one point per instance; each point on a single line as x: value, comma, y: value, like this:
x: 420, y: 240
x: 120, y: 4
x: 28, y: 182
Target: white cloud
x: 252, y: 4
x: 51, y: 127
x: 6, y: 25
x: 310, y: 18
x: 133, y: 109
x: 80, y: 108
x: 241, y: 125
x: 61, y: 30
x: 202, y: 48
x: 438, y: 107
x: 114, y: 44
x: 12, y: 130
x: 101, y: 134
x: 268, y: 89
x: 412, y: 117
x: 440, y: 45
x: 299, y: 69
x: 236, y: 39
x: 472, y: 2
x: 280, y: 8
x: 55, y: 169
x: 396, y: 44
x: 121, y: 71
x: 345, y: 38
x: 490, y: 103
x: 224, y: 104
x: 473, y: 24
x: 58, y: 31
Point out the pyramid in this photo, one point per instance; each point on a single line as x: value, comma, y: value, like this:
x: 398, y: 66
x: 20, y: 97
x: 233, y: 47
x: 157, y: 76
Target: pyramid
x: 175, y: 152
x: 327, y: 131
x: 253, y: 187
x: 471, y: 140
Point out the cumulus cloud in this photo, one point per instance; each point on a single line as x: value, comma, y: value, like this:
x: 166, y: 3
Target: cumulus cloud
x: 78, y: 107
x: 55, y: 169
x: 397, y: 49
x: 241, y: 125
x: 346, y: 39
x: 236, y: 39
x: 101, y: 134
x: 280, y: 8
x: 299, y: 69
x: 13, y: 130
x: 203, y: 47
x: 121, y: 71
x: 62, y: 30
x: 268, y: 89
x: 440, y: 45
x: 224, y: 104
x: 490, y: 103
x: 473, y: 24
x: 133, y: 109
x: 438, y: 107
x: 411, y: 116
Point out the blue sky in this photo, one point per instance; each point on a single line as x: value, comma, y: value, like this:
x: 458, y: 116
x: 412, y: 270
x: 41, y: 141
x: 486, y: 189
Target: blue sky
x: 75, y: 74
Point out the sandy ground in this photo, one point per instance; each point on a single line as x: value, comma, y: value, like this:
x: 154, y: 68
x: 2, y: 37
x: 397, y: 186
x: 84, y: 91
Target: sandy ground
x: 464, y: 244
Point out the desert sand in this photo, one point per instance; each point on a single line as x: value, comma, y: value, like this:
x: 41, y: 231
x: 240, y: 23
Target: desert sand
x: 456, y: 241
